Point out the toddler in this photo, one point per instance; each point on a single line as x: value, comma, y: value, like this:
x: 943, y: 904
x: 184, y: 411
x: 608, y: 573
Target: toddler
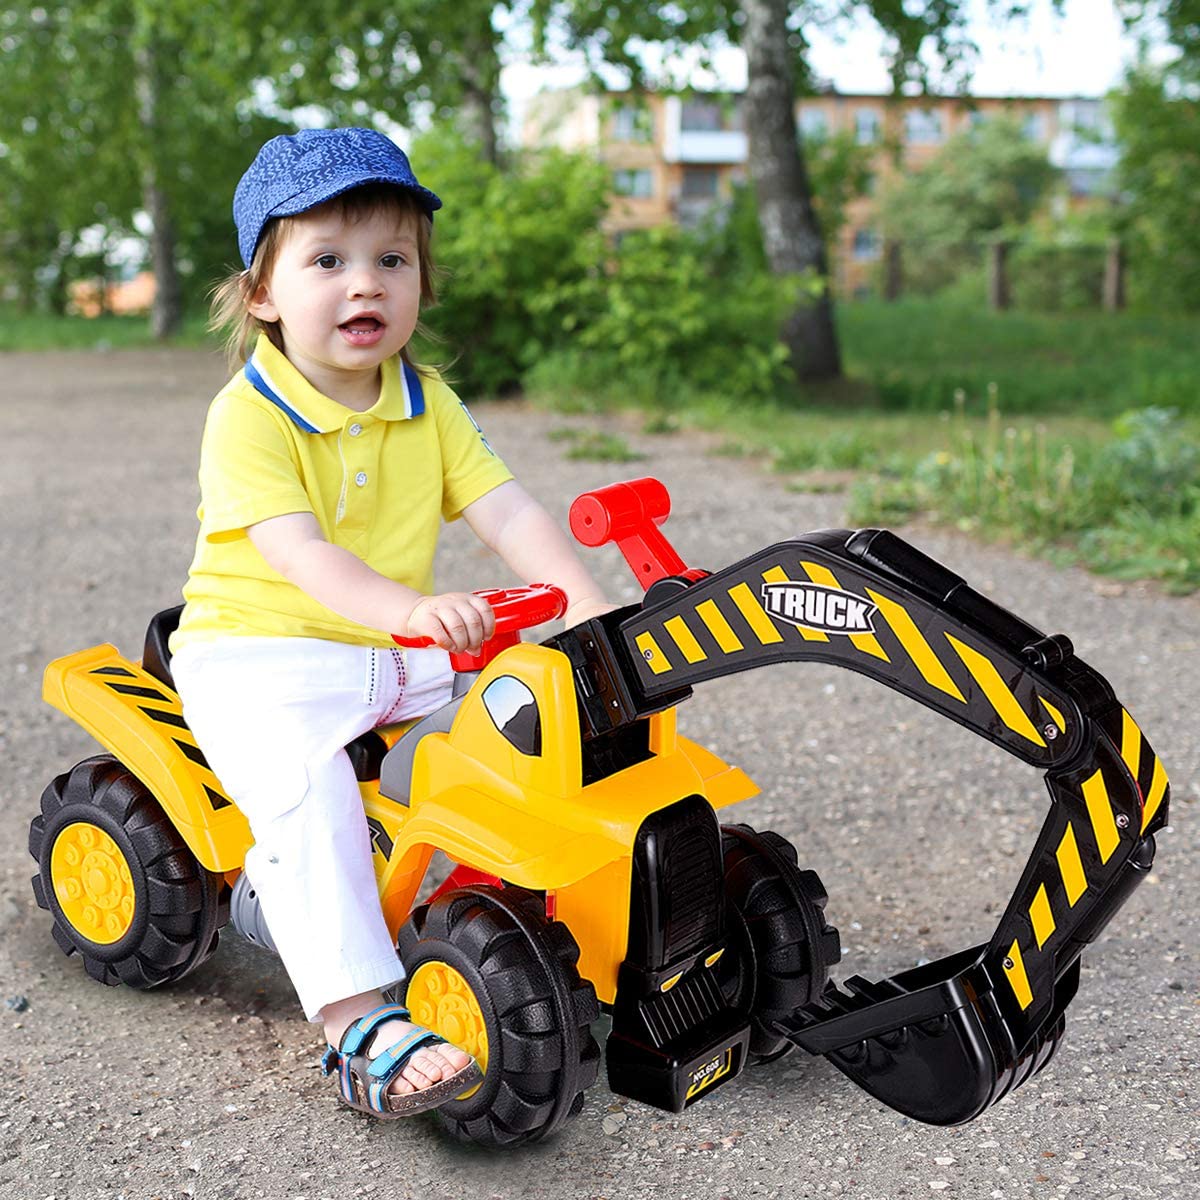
x: 327, y: 465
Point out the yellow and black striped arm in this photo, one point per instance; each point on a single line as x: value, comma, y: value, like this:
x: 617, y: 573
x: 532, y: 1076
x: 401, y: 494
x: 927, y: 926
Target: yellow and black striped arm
x: 871, y: 602
x: 802, y: 601
x: 1095, y: 846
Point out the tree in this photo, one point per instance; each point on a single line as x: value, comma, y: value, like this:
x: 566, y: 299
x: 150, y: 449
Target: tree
x: 772, y: 34
x: 406, y: 63
x: 981, y: 183
x: 116, y: 107
x: 1181, y: 19
x: 112, y: 108
x: 58, y: 106
x: 1157, y: 117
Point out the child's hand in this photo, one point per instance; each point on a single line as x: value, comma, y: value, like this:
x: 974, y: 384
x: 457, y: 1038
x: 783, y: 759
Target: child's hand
x: 456, y: 621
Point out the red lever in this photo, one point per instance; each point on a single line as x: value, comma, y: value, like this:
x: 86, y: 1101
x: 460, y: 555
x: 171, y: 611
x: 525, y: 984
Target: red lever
x: 628, y: 513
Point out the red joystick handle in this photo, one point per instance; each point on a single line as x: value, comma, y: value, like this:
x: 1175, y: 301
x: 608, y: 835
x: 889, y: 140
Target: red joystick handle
x: 628, y: 514
x: 515, y: 609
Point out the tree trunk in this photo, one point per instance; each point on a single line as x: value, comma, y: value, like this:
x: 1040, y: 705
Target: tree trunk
x: 59, y: 294
x: 893, y: 269
x: 166, y: 315
x: 791, y: 234
x: 481, y: 123
x: 481, y: 91
x: 1114, y: 276
x: 999, y: 293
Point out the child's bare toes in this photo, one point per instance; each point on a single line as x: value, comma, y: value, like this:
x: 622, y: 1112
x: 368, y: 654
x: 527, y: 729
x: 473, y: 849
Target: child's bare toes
x: 454, y: 1059
x: 421, y: 1072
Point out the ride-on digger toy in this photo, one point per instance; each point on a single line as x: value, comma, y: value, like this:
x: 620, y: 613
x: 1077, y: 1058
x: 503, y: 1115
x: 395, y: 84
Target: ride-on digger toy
x: 591, y: 869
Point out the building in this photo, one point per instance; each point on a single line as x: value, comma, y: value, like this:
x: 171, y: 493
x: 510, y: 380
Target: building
x: 673, y: 158
x: 124, y: 298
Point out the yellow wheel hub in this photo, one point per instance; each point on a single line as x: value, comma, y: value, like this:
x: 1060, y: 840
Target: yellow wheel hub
x: 92, y: 882
x: 441, y: 999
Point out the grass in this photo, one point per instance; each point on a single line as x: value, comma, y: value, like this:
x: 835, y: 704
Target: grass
x: 21, y: 330
x: 593, y: 445
x: 917, y: 353
x: 1002, y: 424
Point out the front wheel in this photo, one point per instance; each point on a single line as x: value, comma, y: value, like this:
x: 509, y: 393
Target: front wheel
x: 489, y: 972
x: 124, y: 890
x: 781, y: 946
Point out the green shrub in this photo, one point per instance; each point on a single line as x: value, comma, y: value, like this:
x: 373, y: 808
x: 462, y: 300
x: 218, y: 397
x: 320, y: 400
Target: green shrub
x: 666, y: 325
x: 1057, y: 278
x: 1152, y: 465
x: 1137, y: 545
x: 1129, y: 506
x: 521, y: 252
x: 672, y: 318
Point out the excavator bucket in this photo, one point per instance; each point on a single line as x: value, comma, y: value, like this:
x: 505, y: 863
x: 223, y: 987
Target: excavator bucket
x: 945, y: 1040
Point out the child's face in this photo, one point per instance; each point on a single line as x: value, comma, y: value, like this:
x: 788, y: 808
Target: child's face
x: 346, y: 294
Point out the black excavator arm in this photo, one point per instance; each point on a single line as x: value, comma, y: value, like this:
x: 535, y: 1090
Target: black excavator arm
x: 945, y: 1040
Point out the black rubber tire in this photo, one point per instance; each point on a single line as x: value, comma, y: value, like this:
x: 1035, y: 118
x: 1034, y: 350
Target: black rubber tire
x: 780, y: 946
x: 521, y: 968
x: 178, y: 904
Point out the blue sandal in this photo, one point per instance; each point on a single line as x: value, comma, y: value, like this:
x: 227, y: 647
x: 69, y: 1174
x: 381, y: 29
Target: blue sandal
x: 364, y: 1080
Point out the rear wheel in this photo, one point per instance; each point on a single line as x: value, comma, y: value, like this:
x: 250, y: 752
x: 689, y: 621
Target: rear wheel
x: 781, y: 947
x: 489, y: 972
x: 124, y: 890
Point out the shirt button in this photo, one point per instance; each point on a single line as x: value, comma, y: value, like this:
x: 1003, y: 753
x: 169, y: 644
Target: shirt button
x: 355, y: 429
x: 361, y: 479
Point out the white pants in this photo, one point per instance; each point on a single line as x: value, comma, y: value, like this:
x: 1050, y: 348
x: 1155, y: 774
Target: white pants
x: 273, y: 716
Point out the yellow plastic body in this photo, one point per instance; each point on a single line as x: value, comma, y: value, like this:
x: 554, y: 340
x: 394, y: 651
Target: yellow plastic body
x: 141, y: 722
x: 474, y: 796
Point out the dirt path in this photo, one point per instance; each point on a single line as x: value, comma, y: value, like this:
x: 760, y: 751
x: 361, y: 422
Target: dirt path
x: 918, y: 830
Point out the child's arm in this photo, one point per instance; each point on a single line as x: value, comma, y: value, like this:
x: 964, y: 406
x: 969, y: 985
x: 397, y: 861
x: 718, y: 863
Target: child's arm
x: 294, y: 546
x: 509, y: 521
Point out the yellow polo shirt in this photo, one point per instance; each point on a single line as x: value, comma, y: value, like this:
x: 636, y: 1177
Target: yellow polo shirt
x: 378, y: 482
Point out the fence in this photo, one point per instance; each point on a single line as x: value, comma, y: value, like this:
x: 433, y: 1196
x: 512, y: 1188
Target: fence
x: 1006, y: 273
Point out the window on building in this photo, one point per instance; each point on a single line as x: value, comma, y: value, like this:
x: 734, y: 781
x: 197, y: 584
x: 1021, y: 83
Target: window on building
x: 1034, y: 127
x: 638, y: 183
x: 867, y: 244
x: 701, y: 116
x: 922, y: 127
x: 631, y: 124
x: 700, y: 183
x: 1083, y: 115
x: 976, y: 119
x: 867, y: 126
x: 814, y: 124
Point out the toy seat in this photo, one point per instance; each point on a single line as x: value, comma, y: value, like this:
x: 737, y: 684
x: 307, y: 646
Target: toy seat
x: 156, y: 657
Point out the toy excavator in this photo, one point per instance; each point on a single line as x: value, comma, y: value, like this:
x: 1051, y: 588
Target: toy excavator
x: 591, y: 869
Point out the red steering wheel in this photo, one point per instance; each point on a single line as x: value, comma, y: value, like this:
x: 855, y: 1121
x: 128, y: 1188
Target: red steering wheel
x: 515, y: 609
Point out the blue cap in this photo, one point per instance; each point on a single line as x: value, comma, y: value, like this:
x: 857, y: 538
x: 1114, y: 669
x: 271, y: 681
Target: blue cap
x: 295, y: 172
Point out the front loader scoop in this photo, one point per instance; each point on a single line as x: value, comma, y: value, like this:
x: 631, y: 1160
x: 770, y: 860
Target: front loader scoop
x: 945, y: 1040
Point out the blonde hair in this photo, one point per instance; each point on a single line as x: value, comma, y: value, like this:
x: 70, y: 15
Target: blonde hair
x: 230, y: 314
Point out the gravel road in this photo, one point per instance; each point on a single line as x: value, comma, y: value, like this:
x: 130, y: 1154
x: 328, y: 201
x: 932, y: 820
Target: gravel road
x: 919, y: 830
